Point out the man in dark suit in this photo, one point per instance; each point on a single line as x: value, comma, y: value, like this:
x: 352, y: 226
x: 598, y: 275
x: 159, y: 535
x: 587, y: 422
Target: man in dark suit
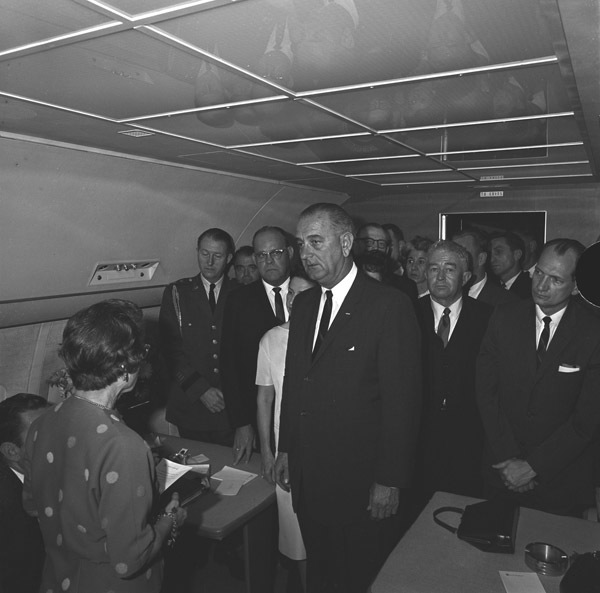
x: 191, y: 317
x: 481, y: 287
x: 350, y: 408
x: 507, y: 252
x: 538, y: 378
x: 250, y: 312
x: 451, y: 437
x: 21, y: 544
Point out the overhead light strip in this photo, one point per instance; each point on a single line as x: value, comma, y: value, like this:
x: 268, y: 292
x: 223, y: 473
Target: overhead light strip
x: 499, y: 180
x: 508, y: 148
x: 381, y: 173
x: 432, y: 76
x: 361, y: 160
x: 231, y: 105
x: 159, y: 12
x: 299, y: 140
x: 552, y: 164
x: 480, y: 122
x: 429, y: 182
x: 79, y: 35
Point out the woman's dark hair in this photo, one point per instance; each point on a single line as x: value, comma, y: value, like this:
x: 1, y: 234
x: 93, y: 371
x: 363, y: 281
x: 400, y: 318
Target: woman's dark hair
x: 103, y: 342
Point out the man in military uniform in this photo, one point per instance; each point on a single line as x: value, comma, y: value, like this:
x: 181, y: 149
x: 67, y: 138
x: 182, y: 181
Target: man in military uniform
x: 190, y: 320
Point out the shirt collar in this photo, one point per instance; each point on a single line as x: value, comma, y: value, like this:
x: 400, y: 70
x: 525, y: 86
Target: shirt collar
x: 341, y: 289
x: 207, y: 284
x: 284, y: 285
x: 511, y: 281
x: 476, y: 288
x: 555, y: 317
x: 455, y: 308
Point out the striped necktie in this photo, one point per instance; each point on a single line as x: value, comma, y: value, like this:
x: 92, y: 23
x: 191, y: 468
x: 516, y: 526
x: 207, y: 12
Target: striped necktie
x: 443, y: 330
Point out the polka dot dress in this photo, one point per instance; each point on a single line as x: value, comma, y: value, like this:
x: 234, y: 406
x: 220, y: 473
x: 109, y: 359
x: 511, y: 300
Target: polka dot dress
x: 92, y: 482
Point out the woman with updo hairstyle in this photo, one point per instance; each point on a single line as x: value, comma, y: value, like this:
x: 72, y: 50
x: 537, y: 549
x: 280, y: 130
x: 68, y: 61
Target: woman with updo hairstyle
x: 88, y: 477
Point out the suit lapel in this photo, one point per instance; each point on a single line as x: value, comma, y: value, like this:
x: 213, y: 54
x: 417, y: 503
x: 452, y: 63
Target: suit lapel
x: 344, y: 315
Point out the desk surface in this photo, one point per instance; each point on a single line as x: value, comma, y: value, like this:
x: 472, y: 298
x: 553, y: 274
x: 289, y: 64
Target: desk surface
x: 215, y: 515
x: 430, y: 559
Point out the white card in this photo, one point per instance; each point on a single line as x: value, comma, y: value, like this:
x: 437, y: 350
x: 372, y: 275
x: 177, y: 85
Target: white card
x: 521, y: 582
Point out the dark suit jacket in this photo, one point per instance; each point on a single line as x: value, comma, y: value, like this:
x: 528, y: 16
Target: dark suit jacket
x: 21, y: 544
x: 350, y: 416
x: 248, y: 316
x: 522, y: 286
x: 544, y: 415
x: 495, y: 295
x: 191, y: 343
x: 451, y: 439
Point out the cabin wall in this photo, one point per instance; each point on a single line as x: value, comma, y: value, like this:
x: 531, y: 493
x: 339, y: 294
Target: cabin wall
x: 573, y: 210
x: 64, y: 209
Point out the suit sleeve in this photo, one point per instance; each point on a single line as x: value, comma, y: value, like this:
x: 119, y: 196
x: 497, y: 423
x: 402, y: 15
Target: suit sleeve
x: 237, y: 404
x: 399, y: 372
x: 579, y: 429
x: 497, y: 428
x: 177, y: 358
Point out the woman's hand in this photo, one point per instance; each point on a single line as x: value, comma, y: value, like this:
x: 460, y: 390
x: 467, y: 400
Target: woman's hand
x: 180, y: 514
x: 267, y: 466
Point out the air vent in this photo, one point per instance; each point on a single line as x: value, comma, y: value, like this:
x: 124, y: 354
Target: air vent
x: 136, y: 133
x: 123, y: 271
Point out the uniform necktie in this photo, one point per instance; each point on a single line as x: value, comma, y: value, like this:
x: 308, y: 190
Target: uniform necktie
x: 443, y: 330
x: 325, y: 318
x: 544, y: 339
x: 211, y: 298
x: 279, y: 304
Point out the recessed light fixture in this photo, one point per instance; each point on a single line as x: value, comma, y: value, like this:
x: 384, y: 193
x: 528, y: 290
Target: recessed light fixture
x: 136, y: 133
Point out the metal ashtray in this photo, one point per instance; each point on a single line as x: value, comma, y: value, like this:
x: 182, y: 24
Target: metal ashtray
x: 546, y: 559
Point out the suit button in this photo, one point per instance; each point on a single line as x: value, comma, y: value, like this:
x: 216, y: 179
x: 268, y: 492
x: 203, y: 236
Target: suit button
x: 189, y: 325
x: 213, y: 327
x: 304, y: 413
x: 215, y: 342
x: 216, y: 371
x: 215, y: 356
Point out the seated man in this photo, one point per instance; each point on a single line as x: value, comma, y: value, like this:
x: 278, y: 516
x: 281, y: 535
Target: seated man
x: 21, y: 545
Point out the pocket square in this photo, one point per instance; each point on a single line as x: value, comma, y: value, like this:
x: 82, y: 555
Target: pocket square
x: 351, y: 349
x: 568, y: 368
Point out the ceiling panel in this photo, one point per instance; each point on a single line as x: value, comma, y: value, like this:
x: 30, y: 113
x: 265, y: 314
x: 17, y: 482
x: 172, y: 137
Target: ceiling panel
x: 314, y: 92
x: 29, y: 21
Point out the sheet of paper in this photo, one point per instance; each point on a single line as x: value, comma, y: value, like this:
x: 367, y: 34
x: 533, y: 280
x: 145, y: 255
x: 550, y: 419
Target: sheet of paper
x: 521, y: 582
x: 201, y: 458
x: 232, y: 480
x: 168, y: 472
x: 232, y: 473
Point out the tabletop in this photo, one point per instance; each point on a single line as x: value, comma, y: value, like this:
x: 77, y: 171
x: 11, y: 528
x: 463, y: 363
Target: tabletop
x: 215, y: 515
x: 430, y: 559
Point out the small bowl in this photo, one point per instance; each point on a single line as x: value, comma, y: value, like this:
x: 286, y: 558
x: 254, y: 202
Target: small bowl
x: 546, y: 559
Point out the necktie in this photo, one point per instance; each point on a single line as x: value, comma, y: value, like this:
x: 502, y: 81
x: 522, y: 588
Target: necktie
x: 324, y: 324
x: 279, y: 304
x: 211, y: 298
x: 544, y: 339
x: 443, y: 330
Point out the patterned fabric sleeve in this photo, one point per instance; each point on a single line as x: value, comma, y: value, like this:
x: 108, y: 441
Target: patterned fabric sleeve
x: 125, y: 481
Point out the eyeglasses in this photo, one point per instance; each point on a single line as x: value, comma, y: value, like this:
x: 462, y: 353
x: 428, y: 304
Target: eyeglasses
x: 273, y: 254
x: 370, y: 243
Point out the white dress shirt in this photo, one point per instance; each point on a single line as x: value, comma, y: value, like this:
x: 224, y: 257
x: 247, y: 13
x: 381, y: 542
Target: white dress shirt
x: 438, y: 311
x: 476, y: 289
x: 285, y: 286
x: 539, y: 323
x: 217, y: 284
x: 339, y: 293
